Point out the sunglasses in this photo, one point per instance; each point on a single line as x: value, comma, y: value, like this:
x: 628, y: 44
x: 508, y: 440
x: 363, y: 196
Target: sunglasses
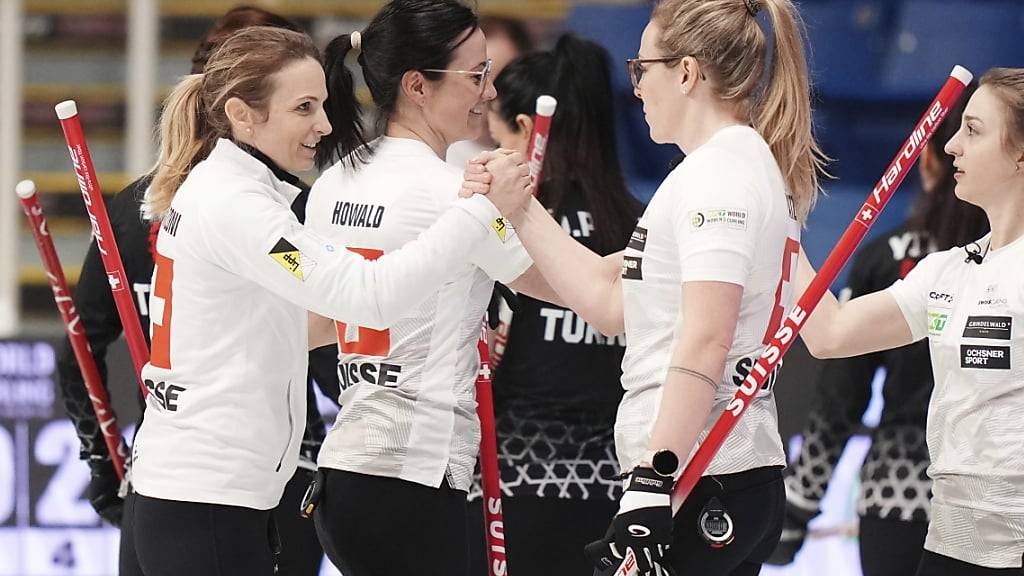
x: 481, y: 75
x: 635, y: 67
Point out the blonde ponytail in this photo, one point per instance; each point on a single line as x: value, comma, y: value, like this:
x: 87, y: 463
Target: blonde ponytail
x: 782, y: 114
x: 185, y: 139
x: 193, y: 119
x: 725, y: 37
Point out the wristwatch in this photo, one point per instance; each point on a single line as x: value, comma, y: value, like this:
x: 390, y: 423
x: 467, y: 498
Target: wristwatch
x: 664, y: 462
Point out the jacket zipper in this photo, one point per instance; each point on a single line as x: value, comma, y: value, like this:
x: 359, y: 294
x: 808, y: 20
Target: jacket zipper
x: 291, y: 426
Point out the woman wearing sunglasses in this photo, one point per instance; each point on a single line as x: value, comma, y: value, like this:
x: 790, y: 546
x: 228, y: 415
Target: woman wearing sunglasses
x: 398, y: 463
x: 704, y: 281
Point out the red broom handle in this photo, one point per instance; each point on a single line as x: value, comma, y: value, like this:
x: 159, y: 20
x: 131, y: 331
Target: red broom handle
x: 67, y: 112
x: 494, y: 522
x: 26, y: 190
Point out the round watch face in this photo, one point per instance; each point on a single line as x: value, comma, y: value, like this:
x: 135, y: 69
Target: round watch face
x: 715, y: 525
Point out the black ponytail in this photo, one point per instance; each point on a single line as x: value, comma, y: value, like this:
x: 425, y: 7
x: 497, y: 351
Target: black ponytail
x: 582, y: 154
x: 404, y: 35
x: 346, y: 139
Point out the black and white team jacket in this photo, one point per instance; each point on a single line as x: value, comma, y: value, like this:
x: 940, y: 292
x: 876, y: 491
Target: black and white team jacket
x: 894, y: 480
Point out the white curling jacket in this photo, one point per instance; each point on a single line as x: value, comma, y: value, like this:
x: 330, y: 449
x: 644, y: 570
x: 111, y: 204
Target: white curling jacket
x: 235, y: 274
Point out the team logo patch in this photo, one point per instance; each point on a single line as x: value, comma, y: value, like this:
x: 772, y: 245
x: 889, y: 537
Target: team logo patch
x: 292, y: 259
x: 987, y: 357
x: 989, y: 327
x: 719, y: 217
x: 501, y: 227
x: 937, y: 322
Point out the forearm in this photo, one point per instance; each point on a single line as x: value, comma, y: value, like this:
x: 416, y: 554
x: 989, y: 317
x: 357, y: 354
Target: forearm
x: 535, y: 285
x: 860, y: 326
x: 77, y: 402
x: 585, y: 282
x: 815, y: 331
x: 687, y: 398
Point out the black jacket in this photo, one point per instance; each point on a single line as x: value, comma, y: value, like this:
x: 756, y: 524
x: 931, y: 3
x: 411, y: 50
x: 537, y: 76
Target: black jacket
x: 894, y: 482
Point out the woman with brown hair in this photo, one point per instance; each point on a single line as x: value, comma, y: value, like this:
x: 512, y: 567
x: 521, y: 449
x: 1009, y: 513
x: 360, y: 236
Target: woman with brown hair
x: 892, y: 504
x: 704, y: 281
x: 300, y: 553
x: 235, y: 274
x: 965, y: 301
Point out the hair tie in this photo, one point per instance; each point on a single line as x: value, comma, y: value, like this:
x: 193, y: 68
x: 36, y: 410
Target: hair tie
x: 357, y: 40
x: 753, y: 7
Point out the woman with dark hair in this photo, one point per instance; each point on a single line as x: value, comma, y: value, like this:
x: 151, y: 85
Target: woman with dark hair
x: 894, y: 489
x: 235, y: 274
x: 966, y: 301
x: 507, y: 39
x: 399, y: 460
x: 556, y: 387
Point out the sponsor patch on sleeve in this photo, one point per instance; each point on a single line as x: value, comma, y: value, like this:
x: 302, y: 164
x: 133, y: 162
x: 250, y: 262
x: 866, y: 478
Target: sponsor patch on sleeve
x: 292, y: 259
x: 632, y: 268
x: 638, y: 241
x: 937, y: 320
x: 732, y: 218
x: 502, y: 227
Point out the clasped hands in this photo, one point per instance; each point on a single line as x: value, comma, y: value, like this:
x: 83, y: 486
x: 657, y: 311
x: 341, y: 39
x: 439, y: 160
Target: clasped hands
x: 503, y: 176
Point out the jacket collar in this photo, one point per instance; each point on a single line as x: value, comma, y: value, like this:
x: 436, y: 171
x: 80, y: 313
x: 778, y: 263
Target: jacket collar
x: 256, y: 164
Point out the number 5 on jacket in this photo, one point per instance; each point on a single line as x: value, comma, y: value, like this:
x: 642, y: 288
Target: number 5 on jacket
x: 364, y: 341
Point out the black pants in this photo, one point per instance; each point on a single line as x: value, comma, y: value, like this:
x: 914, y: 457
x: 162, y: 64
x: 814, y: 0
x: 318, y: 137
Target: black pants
x: 174, y: 538
x: 300, y: 552
x: 933, y: 564
x: 755, y: 500
x: 378, y: 526
x: 890, y: 547
x: 542, y: 535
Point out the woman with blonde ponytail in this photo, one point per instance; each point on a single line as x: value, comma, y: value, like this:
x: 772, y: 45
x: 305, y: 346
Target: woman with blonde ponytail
x: 300, y: 551
x: 235, y: 275
x: 704, y: 281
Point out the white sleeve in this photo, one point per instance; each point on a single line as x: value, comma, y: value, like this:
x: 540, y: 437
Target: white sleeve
x: 717, y: 221
x: 259, y: 239
x: 501, y: 255
x: 911, y: 294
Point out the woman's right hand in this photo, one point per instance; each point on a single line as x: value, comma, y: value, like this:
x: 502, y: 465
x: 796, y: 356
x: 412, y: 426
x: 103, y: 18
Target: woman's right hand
x: 503, y: 176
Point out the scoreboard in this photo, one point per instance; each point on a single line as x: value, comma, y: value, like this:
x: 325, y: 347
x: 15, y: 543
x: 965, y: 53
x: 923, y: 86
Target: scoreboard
x: 47, y: 527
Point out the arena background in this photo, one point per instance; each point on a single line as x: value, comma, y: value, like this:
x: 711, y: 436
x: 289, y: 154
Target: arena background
x: 875, y: 65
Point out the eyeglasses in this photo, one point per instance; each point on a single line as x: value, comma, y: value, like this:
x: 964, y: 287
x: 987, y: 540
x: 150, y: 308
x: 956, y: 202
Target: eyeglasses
x: 482, y: 75
x: 635, y: 67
